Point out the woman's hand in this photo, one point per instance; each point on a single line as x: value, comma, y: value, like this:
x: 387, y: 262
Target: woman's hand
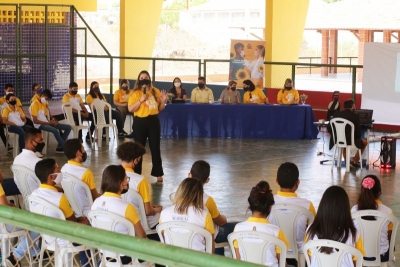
x: 163, y: 95
x: 143, y: 98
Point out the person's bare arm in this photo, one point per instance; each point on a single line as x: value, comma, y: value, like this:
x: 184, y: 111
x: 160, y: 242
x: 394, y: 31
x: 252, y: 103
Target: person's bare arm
x: 7, y: 122
x: 220, y: 220
x: 95, y: 194
x: 139, y: 231
x: 37, y: 121
x: 135, y: 106
x: 151, y: 209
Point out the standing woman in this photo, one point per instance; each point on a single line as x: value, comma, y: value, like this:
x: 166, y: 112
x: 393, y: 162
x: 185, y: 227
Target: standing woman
x: 145, y: 102
x: 177, y: 90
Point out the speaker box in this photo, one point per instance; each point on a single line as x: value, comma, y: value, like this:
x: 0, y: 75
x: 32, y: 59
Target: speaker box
x: 388, y: 152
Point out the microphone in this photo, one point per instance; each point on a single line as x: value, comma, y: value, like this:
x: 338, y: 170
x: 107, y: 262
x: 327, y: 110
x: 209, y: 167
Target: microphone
x: 144, y: 88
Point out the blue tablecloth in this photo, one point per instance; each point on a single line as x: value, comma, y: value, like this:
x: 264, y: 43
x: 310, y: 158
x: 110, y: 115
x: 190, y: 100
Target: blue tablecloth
x: 240, y: 120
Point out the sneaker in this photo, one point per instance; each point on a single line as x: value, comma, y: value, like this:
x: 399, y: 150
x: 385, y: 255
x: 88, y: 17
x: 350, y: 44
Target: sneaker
x: 59, y: 150
x: 39, y: 155
x: 131, y: 135
x: 355, y: 165
x: 11, y: 261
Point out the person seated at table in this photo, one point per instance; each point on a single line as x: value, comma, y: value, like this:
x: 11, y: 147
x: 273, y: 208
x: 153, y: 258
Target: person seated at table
x: 230, y: 95
x: 177, y: 90
x: 253, y: 95
x: 288, y: 95
x: 348, y: 114
x: 202, y: 94
x: 14, y: 117
x: 95, y: 94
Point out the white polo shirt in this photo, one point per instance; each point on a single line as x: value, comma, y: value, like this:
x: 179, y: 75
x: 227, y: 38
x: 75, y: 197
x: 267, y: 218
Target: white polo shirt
x: 51, y: 195
x: 202, y: 219
x: 140, y: 184
x: 291, y: 198
x: 28, y: 159
x: 264, y: 226
x: 76, y: 169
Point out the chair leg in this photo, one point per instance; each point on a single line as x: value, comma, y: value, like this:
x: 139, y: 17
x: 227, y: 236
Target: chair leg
x: 348, y: 151
x: 302, y: 261
x: 107, y: 135
x: 16, y: 145
x: 99, y: 136
x: 359, y: 152
x: 333, y: 158
x: 339, y: 160
x: 5, y: 250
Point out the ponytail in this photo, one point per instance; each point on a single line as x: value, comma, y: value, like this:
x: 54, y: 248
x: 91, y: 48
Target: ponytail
x: 261, y: 198
x: 370, y: 191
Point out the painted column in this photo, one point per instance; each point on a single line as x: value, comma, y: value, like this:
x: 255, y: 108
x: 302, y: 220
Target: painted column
x: 333, y: 49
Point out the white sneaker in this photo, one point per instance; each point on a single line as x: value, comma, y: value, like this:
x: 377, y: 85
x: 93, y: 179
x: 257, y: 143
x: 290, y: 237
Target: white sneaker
x: 39, y: 155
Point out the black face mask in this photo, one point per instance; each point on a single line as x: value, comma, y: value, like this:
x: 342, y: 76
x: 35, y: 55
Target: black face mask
x: 84, y: 156
x: 245, y: 88
x: 39, y: 146
x: 96, y: 89
x: 201, y: 85
x: 125, y: 190
x: 12, y: 102
x: 125, y: 88
x: 74, y: 92
x: 288, y: 87
x: 144, y: 82
x: 233, y: 88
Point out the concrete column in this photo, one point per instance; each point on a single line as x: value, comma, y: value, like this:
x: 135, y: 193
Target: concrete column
x: 324, y: 52
x: 333, y: 47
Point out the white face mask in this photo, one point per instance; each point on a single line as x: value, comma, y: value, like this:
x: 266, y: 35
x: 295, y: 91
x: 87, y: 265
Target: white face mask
x: 7, y: 93
x: 178, y: 84
x: 256, y: 53
x: 43, y: 100
x: 58, y: 178
x: 242, y: 53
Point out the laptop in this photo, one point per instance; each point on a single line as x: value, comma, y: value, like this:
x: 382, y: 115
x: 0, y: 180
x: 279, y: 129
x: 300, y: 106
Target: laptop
x: 365, y: 116
x: 178, y: 101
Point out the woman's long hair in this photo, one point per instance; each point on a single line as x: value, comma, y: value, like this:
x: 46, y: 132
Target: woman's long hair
x: 190, y: 193
x: 370, y: 192
x: 92, y: 92
x: 284, y: 85
x: 333, y: 220
x: 150, y: 86
x: 261, y: 198
x: 230, y: 84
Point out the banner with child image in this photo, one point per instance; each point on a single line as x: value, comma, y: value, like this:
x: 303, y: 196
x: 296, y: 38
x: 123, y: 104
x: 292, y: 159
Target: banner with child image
x: 247, y: 62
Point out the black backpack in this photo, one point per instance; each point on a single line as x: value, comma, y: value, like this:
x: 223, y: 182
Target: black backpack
x: 333, y: 106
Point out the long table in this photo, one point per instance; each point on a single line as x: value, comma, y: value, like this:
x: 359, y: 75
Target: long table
x: 238, y: 121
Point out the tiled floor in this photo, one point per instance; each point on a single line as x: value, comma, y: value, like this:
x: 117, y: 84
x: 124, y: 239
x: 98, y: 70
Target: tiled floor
x: 237, y: 165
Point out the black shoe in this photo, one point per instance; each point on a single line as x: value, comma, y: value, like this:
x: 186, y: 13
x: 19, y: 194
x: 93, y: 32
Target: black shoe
x: 131, y: 135
x: 122, y: 135
x: 87, y: 137
x: 10, y: 261
x: 59, y: 150
x: 355, y: 165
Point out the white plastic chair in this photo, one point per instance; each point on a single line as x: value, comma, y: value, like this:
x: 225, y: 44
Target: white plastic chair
x: 339, y: 134
x: 136, y: 199
x: 26, y: 180
x: 183, y: 239
x: 371, y: 232
x: 286, y: 217
x: 256, y: 252
x: 5, y: 237
x: 14, y: 136
x: 72, y: 187
x: 108, y: 221
x: 69, y: 117
x: 335, y: 258
x: 99, y: 120
x: 63, y: 255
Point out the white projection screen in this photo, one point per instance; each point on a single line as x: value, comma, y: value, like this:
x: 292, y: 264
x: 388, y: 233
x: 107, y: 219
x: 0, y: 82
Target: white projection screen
x: 381, y: 82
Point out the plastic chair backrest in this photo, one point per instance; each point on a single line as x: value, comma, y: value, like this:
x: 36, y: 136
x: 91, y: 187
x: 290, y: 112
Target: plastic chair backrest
x: 335, y: 258
x: 371, y: 233
x: 339, y: 131
x: 68, y: 114
x: 183, y: 239
x: 99, y: 116
x: 256, y: 252
x: 136, y: 199
x: 286, y: 217
x: 25, y: 179
x: 172, y: 196
x: 73, y: 189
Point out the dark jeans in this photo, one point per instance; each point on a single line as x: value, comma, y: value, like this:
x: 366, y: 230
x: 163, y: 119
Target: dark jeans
x: 222, y: 236
x: 149, y: 127
x: 84, y: 256
x: 10, y: 188
x: 20, y: 130
x: 2, y: 134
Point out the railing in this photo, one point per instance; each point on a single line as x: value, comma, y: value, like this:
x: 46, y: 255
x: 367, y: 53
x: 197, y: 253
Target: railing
x: 340, y: 60
x: 127, y: 245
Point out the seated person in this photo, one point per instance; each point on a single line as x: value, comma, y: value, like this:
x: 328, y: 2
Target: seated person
x: 40, y: 112
x: 77, y: 155
x: 114, y: 183
x: 202, y: 94
x: 14, y: 117
x: 95, y: 94
x: 348, y: 114
x: 49, y: 175
x: 177, y: 90
x: 37, y: 89
x: 76, y: 101
x: 288, y: 180
x: 253, y: 95
x: 230, y: 95
x: 130, y: 154
x: 121, y: 97
x: 189, y: 207
x: 288, y: 95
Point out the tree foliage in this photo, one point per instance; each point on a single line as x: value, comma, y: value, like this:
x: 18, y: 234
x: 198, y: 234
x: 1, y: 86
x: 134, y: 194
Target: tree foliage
x: 172, y: 17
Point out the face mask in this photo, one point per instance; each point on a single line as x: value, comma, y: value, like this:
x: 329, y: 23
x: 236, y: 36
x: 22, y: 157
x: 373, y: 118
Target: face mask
x: 84, y: 156
x: 125, y: 190
x: 125, y: 88
x: 233, y: 88
x: 245, y: 88
x: 177, y: 84
x: 201, y: 85
x: 43, y: 100
x: 144, y: 82
x: 12, y: 102
x: 74, y: 92
x: 242, y: 53
x: 256, y: 53
x: 288, y: 87
x: 58, y: 178
x: 39, y: 91
x: 96, y: 89
x: 39, y: 146
x: 7, y: 93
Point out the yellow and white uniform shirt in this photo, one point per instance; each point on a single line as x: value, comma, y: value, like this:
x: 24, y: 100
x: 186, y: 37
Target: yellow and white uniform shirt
x: 14, y: 116
x: 58, y: 199
x: 28, y: 159
x: 1, y: 191
x: 264, y: 226
x: 39, y: 110
x: 148, y: 107
x: 140, y: 184
x: 212, y: 209
x: 347, y: 260
x: 200, y: 218
x: 384, y: 233
x: 76, y: 169
x: 4, y: 104
x: 288, y: 96
x: 122, y: 96
x: 257, y: 96
x: 74, y: 100
x: 114, y: 203
x: 291, y: 198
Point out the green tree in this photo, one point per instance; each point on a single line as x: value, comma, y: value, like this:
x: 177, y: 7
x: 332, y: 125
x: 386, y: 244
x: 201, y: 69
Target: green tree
x: 172, y: 17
